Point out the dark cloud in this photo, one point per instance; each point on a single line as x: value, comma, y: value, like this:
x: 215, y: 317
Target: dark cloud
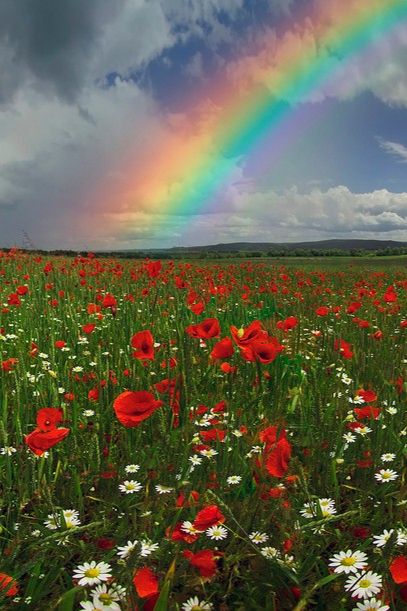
x: 49, y: 43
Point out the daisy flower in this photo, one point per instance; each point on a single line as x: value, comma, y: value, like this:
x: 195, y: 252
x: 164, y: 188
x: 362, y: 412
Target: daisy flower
x: 257, y: 537
x: 348, y: 562
x: 194, y: 604
x: 147, y: 548
x: 383, y: 538
x: 363, y: 585
x: 386, y: 475
x: 126, y: 550
x: 189, y: 528
x: 132, y: 468
x: 163, y: 489
x: 93, y: 573
x: 233, y: 479
x: 388, y: 457
x: 217, y: 532
x: 373, y: 604
x: 270, y: 552
x: 106, y: 598
x: 130, y: 486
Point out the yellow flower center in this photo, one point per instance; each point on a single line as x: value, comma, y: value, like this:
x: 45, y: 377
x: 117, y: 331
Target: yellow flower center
x: 105, y: 598
x: 365, y: 583
x: 92, y: 572
x: 348, y: 561
x: 240, y: 333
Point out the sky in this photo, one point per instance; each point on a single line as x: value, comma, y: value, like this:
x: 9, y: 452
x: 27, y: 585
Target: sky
x: 113, y: 114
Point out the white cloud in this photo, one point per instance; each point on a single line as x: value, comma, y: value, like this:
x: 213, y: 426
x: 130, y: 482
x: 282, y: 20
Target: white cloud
x: 395, y: 149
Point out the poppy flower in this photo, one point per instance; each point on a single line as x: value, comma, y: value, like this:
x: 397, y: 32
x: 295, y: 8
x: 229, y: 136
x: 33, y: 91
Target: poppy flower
x: 222, y: 349
x: 206, y: 329
x: 289, y: 323
x: 48, y: 418
x: 143, y: 344
x: 367, y: 412
x: 9, y: 584
x: 344, y: 348
x: 278, y: 458
x: 398, y: 569
x: 367, y: 395
x: 177, y: 534
x: 153, y: 268
x: 132, y: 407
x: 207, y: 517
x: 322, y: 311
x: 262, y: 352
x: 244, y: 337
x: 60, y: 344
x: 145, y: 582
x: 204, y: 561
x: 40, y: 441
x: 88, y: 328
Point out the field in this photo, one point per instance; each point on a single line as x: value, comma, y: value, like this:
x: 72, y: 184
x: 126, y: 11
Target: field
x: 202, y: 435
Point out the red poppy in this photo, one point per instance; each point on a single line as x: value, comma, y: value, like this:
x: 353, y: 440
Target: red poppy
x: 208, y: 516
x: 222, y: 349
x: 177, y: 534
x: 197, y: 308
x: 367, y: 412
x: 322, y: 311
x: 254, y: 332
x: 88, y: 328
x: 367, y: 395
x: 279, y: 457
x: 143, y: 343
x: 398, y: 569
x: 40, y: 441
x: 204, y: 561
x: 344, y: 348
x: 109, y: 301
x: 9, y: 584
x: 132, y: 407
x: 263, y: 352
x: 289, y: 323
x: 60, y: 344
x: 145, y: 582
x: 206, y: 329
x: 48, y: 418
x: 153, y: 268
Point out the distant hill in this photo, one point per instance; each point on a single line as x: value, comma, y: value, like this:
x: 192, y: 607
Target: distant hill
x: 269, y: 246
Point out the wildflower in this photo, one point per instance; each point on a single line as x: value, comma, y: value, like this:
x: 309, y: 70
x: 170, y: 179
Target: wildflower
x: 127, y: 549
x: 257, y: 537
x: 386, y: 475
x: 217, y: 532
x: 163, y: 489
x: 92, y: 573
x: 147, y: 548
x: 194, y: 604
x: 106, y: 597
x: 363, y: 585
x: 326, y: 507
x: 132, y: 468
x: 71, y: 519
x: 388, y: 457
x: 381, y: 540
x: 7, y: 450
x: 233, y: 479
x: 189, y: 528
x: 348, y: 562
x: 88, y: 413
x: 270, y: 552
x: 208, y: 453
x: 349, y: 437
x: 373, y: 604
x: 130, y: 486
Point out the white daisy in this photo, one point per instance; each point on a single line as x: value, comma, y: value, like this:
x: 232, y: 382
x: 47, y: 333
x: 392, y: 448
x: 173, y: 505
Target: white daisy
x: 93, y: 573
x: 7, y: 450
x: 233, y: 479
x: 270, y: 552
x: 126, y: 550
x: 363, y: 585
x: 147, y: 548
x: 373, y: 604
x: 130, y: 486
x: 217, y: 532
x: 381, y: 540
x: 388, y: 457
x: 257, y: 537
x: 132, y: 468
x: 194, y: 604
x: 348, y: 562
x: 163, y: 489
x: 189, y: 528
x: 386, y: 475
x: 106, y: 598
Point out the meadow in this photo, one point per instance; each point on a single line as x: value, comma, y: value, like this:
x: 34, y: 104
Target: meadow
x: 202, y: 435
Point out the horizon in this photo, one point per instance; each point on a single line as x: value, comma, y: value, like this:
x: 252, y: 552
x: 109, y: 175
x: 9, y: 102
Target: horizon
x: 148, y: 125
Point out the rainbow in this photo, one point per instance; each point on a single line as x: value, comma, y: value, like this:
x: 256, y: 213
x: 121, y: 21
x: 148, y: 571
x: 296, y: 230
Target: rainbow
x: 187, y: 165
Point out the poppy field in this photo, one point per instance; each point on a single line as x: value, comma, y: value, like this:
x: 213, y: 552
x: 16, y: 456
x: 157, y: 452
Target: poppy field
x: 202, y: 435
